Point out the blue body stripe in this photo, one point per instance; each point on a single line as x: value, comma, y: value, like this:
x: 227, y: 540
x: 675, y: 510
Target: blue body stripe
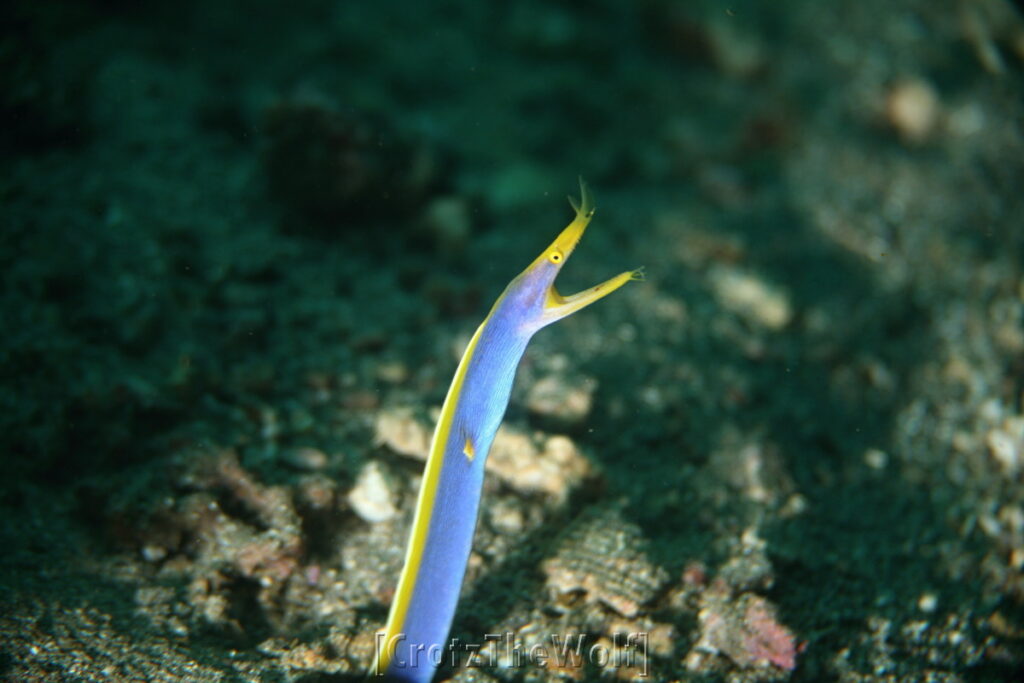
x: 478, y: 413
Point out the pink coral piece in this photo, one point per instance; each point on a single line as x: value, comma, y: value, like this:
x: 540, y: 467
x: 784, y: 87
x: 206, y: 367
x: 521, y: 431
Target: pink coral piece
x: 766, y: 639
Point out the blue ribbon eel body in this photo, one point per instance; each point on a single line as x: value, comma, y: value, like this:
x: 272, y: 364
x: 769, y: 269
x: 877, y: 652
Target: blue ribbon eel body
x: 414, y: 640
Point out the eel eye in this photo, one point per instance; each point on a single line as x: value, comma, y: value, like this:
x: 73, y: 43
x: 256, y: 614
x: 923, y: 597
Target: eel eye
x: 555, y: 256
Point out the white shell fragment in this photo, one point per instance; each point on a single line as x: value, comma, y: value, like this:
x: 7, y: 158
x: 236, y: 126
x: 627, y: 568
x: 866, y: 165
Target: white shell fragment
x: 372, y: 498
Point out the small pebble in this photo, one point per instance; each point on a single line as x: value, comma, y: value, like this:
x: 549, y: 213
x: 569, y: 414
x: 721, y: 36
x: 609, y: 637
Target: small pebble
x: 1006, y: 444
x: 306, y: 458
x: 372, y: 496
x: 751, y: 297
x: 876, y: 459
x: 153, y: 553
x: 912, y: 109
x: 447, y: 219
x: 400, y: 431
x: 563, y: 401
x: 392, y: 372
x: 506, y: 518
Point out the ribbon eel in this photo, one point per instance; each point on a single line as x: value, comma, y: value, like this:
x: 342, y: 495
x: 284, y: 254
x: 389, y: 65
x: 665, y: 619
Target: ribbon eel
x: 413, y: 643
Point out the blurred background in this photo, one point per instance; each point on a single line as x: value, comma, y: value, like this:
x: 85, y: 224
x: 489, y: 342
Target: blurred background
x: 243, y: 245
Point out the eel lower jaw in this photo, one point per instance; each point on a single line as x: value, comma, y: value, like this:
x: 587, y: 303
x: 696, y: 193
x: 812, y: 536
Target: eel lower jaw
x: 557, y: 306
